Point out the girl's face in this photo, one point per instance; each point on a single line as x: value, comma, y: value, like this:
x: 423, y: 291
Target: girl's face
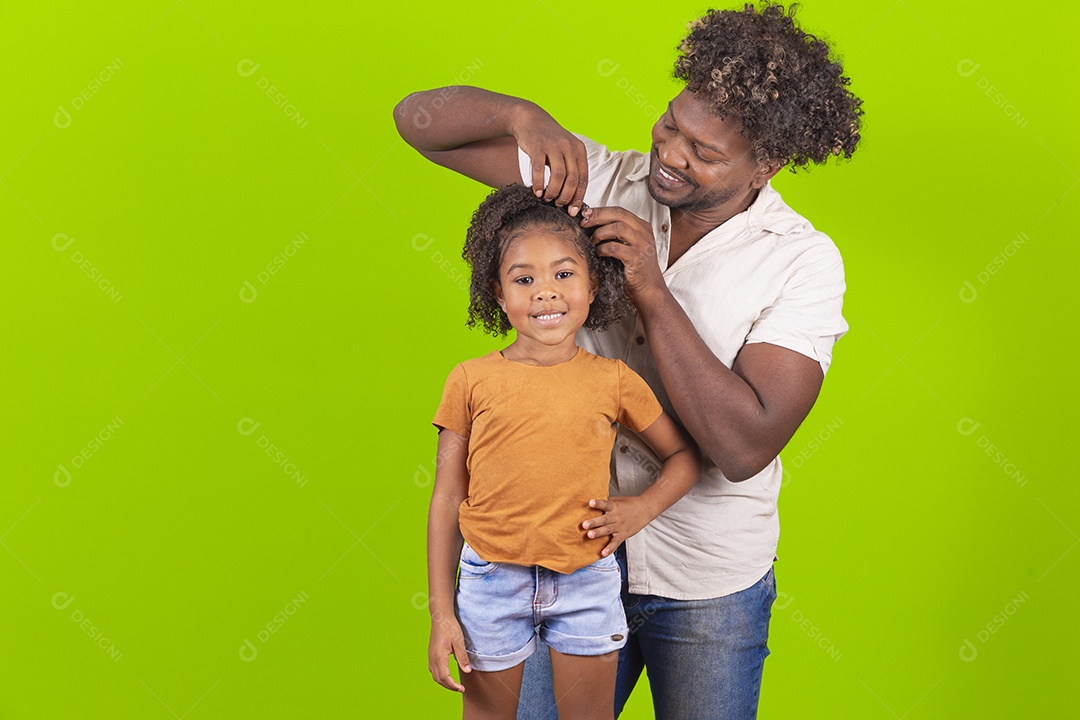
x: 544, y: 288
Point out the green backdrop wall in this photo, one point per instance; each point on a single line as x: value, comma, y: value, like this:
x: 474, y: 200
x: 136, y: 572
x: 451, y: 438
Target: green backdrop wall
x: 231, y: 296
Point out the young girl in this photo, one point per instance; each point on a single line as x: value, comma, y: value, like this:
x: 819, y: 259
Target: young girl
x: 525, y: 440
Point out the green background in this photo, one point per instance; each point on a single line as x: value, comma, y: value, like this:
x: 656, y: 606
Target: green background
x: 930, y: 517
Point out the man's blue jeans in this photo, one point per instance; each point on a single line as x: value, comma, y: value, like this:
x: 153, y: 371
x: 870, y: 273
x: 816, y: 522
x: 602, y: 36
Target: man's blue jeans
x: 704, y: 657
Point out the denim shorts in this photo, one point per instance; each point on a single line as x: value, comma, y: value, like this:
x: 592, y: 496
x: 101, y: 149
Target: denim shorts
x: 500, y: 607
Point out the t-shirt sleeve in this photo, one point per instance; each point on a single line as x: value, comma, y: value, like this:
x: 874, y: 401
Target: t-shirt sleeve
x: 638, y: 406
x: 455, y: 409
x: 807, y: 317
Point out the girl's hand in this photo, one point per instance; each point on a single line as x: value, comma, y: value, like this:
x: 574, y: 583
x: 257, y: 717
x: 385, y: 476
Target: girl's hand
x: 446, y: 640
x: 623, y: 517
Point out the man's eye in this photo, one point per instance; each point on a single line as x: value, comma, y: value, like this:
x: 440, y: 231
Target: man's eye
x: 563, y: 274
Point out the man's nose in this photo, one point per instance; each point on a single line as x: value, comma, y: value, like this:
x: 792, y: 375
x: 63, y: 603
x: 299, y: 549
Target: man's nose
x: 671, y: 153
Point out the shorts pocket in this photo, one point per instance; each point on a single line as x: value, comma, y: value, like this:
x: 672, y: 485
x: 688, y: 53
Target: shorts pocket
x: 472, y: 565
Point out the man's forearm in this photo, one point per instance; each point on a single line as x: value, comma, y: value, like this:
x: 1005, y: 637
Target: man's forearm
x: 716, y: 406
x: 447, y: 118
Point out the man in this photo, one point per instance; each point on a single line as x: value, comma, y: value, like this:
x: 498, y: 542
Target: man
x: 738, y: 306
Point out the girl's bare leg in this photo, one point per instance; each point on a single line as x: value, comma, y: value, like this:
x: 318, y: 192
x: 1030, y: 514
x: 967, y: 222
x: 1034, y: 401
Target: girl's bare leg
x: 584, y: 685
x: 492, y: 695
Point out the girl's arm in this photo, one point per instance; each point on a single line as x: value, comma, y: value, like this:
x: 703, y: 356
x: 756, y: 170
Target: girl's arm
x: 444, y: 551
x: 626, y: 516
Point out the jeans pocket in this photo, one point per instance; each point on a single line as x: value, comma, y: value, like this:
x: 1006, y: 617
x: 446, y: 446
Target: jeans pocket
x: 472, y: 565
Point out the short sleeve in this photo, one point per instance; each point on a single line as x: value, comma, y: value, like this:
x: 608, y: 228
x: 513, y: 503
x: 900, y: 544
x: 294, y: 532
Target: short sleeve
x: 596, y: 154
x: 638, y: 406
x: 807, y: 317
x: 455, y: 409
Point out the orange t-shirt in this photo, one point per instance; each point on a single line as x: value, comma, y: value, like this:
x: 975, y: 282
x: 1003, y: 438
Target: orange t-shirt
x: 540, y: 441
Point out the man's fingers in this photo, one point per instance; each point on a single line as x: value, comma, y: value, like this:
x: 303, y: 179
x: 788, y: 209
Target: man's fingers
x: 611, y: 546
x: 608, y: 214
x: 579, y: 195
x: 539, y: 163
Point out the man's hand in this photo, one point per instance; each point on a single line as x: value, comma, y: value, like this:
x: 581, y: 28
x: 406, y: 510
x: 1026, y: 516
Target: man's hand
x: 546, y: 142
x: 446, y: 640
x: 621, y: 234
x: 623, y: 517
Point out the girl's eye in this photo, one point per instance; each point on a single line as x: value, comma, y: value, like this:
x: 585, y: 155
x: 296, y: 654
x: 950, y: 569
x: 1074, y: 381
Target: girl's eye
x: 524, y: 280
x: 562, y: 275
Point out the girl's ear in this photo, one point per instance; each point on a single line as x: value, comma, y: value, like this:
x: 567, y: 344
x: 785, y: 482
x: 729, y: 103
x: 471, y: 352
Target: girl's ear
x: 497, y: 287
x: 594, y: 287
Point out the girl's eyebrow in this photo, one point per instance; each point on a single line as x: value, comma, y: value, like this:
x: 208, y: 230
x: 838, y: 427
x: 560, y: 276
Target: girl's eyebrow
x: 528, y: 266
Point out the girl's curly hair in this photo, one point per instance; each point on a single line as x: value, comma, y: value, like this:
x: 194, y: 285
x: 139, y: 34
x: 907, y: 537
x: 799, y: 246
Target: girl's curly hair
x: 758, y: 66
x: 512, y: 208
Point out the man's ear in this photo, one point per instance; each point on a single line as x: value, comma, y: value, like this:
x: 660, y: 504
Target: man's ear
x: 765, y: 173
x: 499, y: 298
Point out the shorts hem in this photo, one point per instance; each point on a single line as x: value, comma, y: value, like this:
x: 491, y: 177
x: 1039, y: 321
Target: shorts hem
x: 595, y: 645
x: 495, y: 663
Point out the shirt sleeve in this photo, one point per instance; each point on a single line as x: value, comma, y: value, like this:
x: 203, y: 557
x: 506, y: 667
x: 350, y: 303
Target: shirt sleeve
x: 807, y: 317
x: 455, y: 409
x: 638, y: 406
x: 597, y: 156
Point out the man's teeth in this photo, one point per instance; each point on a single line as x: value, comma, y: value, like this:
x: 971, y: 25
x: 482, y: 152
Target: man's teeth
x: 668, y: 176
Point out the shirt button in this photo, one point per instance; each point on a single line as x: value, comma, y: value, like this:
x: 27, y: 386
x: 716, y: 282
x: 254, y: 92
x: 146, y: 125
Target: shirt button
x: 639, y: 340
x: 664, y: 227
x: 622, y: 449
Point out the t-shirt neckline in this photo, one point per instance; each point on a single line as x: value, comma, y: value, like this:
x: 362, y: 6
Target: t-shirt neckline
x: 564, y: 362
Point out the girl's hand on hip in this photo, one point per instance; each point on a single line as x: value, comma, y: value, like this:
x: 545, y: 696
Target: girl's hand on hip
x: 623, y: 517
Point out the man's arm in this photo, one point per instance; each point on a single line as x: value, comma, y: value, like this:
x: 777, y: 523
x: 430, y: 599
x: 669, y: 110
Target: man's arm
x: 744, y: 416
x: 477, y: 133
x: 741, y: 417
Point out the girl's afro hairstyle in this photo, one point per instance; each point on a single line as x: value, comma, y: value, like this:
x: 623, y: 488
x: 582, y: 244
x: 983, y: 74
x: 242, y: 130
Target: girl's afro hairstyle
x: 780, y: 82
x: 512, y: 208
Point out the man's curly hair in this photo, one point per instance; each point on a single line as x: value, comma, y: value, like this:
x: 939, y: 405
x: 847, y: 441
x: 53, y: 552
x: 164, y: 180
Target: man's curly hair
x: 508, y: 210
x: 758, y: 66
